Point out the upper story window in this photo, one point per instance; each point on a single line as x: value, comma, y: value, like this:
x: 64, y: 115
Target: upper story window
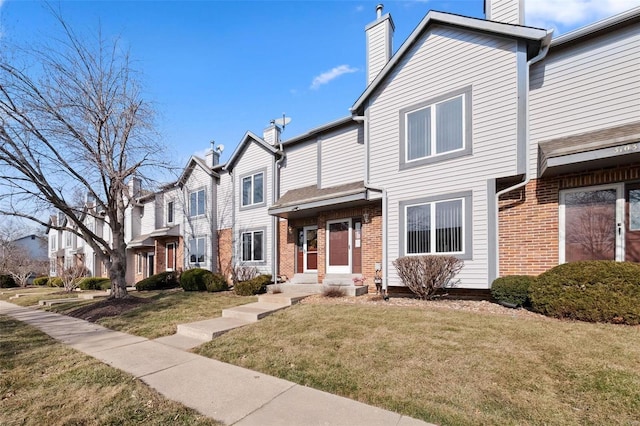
x: 253, y: 189
x: 197, y: 203
x: 436, y: 130
x: 67, y: 239
x: 170, y: 218
x: 438, y: 225
x: 53, y: 240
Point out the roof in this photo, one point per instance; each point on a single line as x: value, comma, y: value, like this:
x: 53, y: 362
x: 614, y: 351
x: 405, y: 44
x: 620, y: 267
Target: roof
x: 604, y: 25
x: 537, y: 35
x: 141, y: 241
x: 244, y: 142
x: 169, y: 231
x: 309, y: 200
x: 601, y: 148
x: 191, y: 164
x: 320, y: 129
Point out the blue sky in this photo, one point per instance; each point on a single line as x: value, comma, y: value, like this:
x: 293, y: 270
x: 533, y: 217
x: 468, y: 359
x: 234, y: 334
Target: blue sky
x: 215, y: 69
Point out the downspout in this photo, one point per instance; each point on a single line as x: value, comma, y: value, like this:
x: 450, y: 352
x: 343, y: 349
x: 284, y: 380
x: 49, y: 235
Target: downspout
x: 276, y: 220
x: 544, y: 49
x: 233, y: 218
x: 385, y: 275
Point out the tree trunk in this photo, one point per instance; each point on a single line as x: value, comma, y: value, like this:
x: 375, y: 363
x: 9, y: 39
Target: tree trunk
x: 118, y: 267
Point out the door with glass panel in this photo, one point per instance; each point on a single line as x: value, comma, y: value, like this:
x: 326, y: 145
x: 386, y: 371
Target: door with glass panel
x: 338, y: 246
x: 632, y: 221
x: 310, y: 249
x: 591, y: 223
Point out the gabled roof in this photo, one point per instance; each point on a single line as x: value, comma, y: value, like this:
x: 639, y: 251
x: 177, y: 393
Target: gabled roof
x: 244, y: 142
x: 191, y: 164
x: 317, y: 130
x: 604, y: 25
x: 473, y: 24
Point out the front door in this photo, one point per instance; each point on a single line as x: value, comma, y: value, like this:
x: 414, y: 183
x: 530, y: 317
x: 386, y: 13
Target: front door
x: 310, y: 249
x: 339, y: 246
x: 591, y: 223
x: 151, y: 263
x: 632, y: 221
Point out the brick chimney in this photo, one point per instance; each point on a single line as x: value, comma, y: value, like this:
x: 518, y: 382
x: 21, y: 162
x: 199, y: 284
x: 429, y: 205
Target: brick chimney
x: 506, y: 11
x: 379, y: 43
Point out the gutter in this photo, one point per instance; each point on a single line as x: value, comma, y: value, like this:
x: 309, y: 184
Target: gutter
x: 544, y: 49
x: 385, y: 274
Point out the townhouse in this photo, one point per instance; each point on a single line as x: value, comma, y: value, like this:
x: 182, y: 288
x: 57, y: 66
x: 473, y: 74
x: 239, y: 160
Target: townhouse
x: 479, y: 138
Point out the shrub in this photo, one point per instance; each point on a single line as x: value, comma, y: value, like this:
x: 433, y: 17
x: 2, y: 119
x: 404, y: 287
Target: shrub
x: 595, y: 291
x: 194, y: 279
x: 513, y: 289
x: 55, y: 282
x: 241, y: 273
x: 332, y: 291
x: 41, y: 281
x: 161, y: 281
x: 7, y: 281
x: 253, y: 286
x: 424, y: 275
x: 215, y: 283
x: 94, y: 283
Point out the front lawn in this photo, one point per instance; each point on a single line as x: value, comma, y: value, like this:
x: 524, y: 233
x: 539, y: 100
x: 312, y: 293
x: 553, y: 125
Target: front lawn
x: 449, y: 367
x: 45, y: 382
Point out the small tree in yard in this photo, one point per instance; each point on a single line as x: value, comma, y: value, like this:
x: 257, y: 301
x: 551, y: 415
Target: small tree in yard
x: 73, y: 121
x: 424, y: 275
x: 71, y: 276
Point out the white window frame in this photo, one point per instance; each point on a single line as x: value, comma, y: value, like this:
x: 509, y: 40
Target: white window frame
x: 196, y: 252
x: 253, y: 233
x: 67, y: 239
x: 197, y: 198
x: 140, y: 263
x: 252, y: 201
x: 432, y: 226
x: 171, y: 211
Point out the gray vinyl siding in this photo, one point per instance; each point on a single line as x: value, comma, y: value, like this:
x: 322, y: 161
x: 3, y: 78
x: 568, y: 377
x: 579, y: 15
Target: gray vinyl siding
x: 377, y: 48
x: 585, y: 87
x: 225, y: 201
x: 300, y: 167
x: 488, y: 65
x: 148, y: 219
x: 201, y: 225
x: 342, y: 156
x: 254, y: 159
x: 507, y: 11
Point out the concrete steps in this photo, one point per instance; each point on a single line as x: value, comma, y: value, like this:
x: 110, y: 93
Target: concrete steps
x: 51, y: 302
x: 208, y: 329
x: 253, y: 312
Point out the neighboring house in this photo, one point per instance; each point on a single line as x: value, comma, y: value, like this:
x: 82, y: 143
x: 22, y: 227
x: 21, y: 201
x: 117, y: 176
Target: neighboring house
x: 479, y: 138
x: 34, y: 245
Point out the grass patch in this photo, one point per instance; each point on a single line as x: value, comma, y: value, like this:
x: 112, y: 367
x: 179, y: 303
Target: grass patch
x: 168, y: 309
x: 44, y: 382
x: 39, y: 293
x: 449, y: 367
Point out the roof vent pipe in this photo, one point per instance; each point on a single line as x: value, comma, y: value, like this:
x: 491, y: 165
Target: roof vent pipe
x: 379, y: 8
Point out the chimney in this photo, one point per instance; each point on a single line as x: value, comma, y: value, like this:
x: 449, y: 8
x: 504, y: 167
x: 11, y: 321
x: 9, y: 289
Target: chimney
x: 505, y: 11
x: 135, y: 187
x: 271, y: 134
x: 379, y: 43
x: 212, y: 157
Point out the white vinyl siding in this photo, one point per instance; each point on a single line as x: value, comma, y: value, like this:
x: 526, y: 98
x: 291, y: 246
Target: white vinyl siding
x: 585, y: 87
x: 225, y: 201
x: 300, y: 167
x: 342, y: 156
x: 487, y: 66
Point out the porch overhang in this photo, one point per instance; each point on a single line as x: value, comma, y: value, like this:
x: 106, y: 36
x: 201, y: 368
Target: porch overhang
x: 170, y: 231
x: 141, y: 241
x: 615, y: 146
x: 311, y: 200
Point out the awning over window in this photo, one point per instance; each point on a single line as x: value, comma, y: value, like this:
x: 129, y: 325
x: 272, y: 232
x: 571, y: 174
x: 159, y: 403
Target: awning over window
x: 311, y: 200
x: 602, y: 148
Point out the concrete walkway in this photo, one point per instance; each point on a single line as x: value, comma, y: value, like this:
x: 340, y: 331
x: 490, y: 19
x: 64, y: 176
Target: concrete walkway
x: 231, y: 394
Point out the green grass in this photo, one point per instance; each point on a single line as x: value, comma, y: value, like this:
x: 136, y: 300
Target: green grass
x: 168, y: 309
x: 45, y: 382
x: 51, y: 293
x: 449, y: 367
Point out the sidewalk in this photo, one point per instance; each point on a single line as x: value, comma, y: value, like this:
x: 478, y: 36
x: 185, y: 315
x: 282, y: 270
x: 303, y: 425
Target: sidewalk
x: 233, y: 395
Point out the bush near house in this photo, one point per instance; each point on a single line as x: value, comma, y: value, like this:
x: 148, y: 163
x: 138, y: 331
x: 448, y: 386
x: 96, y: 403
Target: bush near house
x: 513, y: 289
x: 195, y: 279
x: 7, y: 281
x: 41, y: 281
x: 424, y: 275
x: 253, y: 286
x: 215, y: 283
x: 94, y: 283
x: 55, y: 282
x: 161, y: 281
x: 594, y: 291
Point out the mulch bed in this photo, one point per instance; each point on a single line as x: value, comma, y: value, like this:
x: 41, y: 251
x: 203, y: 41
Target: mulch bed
x: 108, y: 308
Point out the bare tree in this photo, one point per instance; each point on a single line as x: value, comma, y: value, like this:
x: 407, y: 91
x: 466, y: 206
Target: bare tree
x: 74, y: 121
x: 71, y: 276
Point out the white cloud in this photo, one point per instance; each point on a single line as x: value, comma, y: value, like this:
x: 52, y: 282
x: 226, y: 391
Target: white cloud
x: 571, y: 14
x: 332, y: 74
x: 359, y: 8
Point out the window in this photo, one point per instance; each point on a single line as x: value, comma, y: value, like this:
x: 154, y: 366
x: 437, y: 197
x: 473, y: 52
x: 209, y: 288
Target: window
x: 196, y: 203
x: 196, y: 250
x: 67, y: 239
x: 436, y: 130
x: 252, y: 246
x: 253, y: 189
x: 437, y: 225
x: 170, y: 212
x: 140, y: 262
x: 54, y: 240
